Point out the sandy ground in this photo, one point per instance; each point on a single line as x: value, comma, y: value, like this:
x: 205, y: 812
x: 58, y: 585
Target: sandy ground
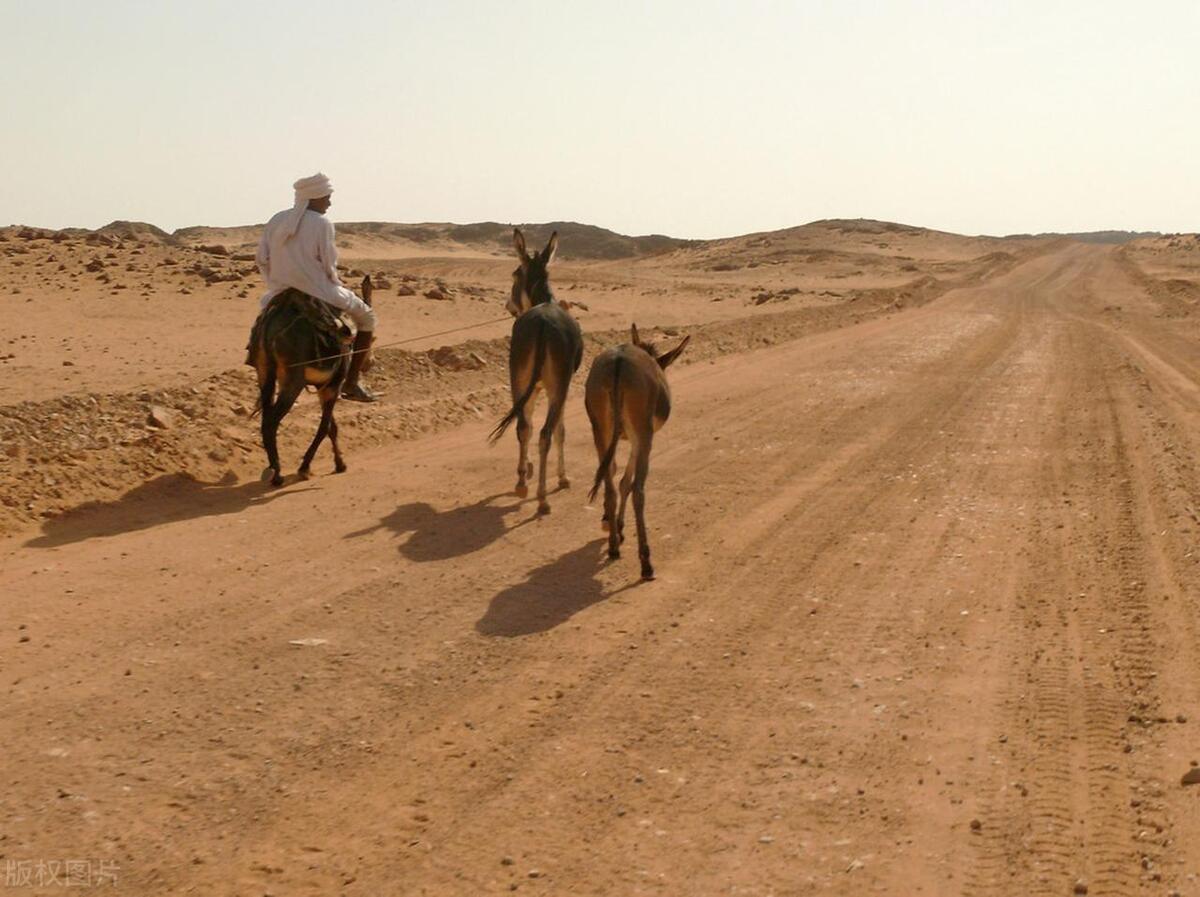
x: 925, y: 623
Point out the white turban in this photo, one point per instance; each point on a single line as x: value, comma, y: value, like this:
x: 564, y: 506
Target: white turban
x: 313, y: 187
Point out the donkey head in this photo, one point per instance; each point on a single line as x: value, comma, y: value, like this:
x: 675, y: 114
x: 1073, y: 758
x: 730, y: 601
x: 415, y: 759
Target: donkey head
x: 531, y: 282
x: 667, y: 357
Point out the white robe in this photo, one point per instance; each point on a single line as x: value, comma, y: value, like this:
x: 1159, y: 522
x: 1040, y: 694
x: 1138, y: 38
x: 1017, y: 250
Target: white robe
x: 307, y: 262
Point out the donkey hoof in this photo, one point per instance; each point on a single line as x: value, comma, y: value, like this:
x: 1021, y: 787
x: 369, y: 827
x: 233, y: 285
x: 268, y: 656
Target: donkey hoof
x: 522, y: 490
x: 564, y: 483
x: 339, y: 467
x: 543, y: 509
x: 614, y: 553
x: 304, y: 473
x: 277, y: 480
x: 647, y: 574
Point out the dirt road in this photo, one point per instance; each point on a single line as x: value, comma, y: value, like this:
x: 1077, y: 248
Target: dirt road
x: 926, y: 623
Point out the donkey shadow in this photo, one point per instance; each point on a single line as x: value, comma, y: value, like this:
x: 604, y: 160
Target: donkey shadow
x: 435, y: 535
x: 170, y: 498
x: 550, y: 595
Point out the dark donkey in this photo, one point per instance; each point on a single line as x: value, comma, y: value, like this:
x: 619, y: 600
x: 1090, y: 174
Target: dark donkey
x: 546, y: 351
x: 627, y: 397
x: 300, y: 342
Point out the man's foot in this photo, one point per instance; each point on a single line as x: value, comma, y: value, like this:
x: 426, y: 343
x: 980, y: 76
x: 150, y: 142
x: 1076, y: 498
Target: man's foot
x: 352, y: 389
x: 356, y: 392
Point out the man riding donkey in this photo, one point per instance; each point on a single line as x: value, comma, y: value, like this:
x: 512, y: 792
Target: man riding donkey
x: 297, y: 252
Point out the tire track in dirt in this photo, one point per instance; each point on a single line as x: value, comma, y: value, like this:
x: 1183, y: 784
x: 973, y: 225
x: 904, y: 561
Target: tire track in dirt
x: 1096, y: 671
x: 917, y: 581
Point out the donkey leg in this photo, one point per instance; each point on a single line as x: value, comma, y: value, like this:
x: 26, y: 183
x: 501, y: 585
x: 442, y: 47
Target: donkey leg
x: 601, y: 439
x: 270, y: 428
x: 339, y: 465
x: 610, y: 514
x: 288, y: 391
x: 642, y: 468
x: 626, y: 486
x: 545, y: 438
x: 560, y: 439
x: 269, y: 425
x: 524, y: 432
x: 322, y: 431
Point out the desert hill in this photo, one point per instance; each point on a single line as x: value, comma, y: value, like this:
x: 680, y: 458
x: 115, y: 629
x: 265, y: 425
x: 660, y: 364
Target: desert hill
x: 384, y: 239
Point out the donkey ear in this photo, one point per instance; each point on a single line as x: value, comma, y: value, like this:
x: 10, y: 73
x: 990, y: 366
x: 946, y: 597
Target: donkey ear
x: 551, y: 249
x: 367, y: 289
x: 633, y: 335
x: 519, y: 244
x: 664, y: 360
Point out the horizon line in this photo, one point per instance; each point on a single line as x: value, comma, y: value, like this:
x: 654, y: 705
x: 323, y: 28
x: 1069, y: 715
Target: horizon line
x: 1015, y: 234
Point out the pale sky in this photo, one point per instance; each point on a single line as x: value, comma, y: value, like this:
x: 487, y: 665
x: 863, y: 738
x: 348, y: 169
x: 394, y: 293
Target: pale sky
x: 684, y: 117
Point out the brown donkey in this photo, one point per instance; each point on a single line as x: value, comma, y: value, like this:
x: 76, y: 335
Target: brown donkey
x: 627, y: 397
x: 300, y: 341
x: 546, y: 351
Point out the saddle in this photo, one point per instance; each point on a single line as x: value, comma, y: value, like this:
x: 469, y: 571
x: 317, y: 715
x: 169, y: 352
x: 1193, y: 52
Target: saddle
x: 332, y: 331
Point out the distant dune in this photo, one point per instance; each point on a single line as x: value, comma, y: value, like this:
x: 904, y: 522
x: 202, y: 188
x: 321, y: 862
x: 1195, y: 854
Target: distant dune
x: 1097, y: 236
x: 585, y: 242
x: 579, y: 241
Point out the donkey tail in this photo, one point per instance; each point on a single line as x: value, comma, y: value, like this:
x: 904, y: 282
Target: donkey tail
x: 611, y: 451
x: 539, y: 358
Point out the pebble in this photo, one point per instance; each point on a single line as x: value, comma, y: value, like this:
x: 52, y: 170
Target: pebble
x: 1191, y: 777
x: 159, y: 417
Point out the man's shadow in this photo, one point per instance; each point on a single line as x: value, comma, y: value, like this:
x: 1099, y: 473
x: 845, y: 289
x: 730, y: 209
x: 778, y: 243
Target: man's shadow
x: 550, y: 595
x: 434, y: 535
x: 166, y: 499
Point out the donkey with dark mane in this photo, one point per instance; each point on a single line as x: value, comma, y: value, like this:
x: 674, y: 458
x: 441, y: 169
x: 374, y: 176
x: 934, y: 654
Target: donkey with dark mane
x: 300, y: 341
x: 627, y: 397
x: 546, y: 351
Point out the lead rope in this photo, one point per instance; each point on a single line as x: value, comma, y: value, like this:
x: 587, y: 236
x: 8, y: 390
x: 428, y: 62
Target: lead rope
x: 400, y: 342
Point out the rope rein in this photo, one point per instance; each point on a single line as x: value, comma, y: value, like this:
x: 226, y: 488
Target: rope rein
x: 401, y: 342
